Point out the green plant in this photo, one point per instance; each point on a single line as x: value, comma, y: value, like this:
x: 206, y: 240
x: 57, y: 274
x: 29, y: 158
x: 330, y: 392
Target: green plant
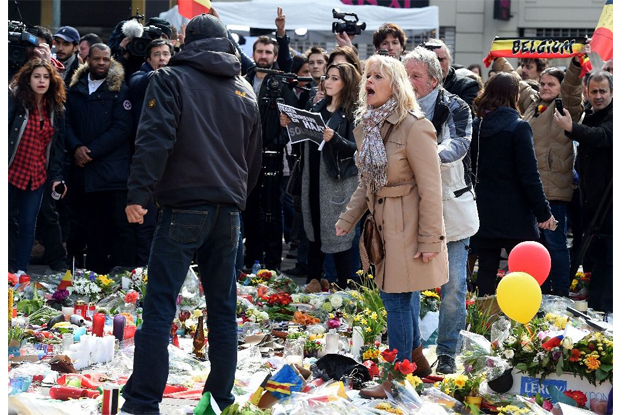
x: 479, y: 315
x: 430, y: 301
x: 16, y: 334
x: 312, y: 346
x: 371, y: 315
x: 30, y: 306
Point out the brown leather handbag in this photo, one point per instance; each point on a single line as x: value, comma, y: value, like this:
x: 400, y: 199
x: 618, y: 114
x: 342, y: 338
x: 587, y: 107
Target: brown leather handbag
x: 372, y: 240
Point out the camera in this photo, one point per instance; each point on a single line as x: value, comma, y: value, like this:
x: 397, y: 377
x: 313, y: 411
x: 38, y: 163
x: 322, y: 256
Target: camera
x: 351, y: 27
x: 19, y: 40
x: 138, y: 45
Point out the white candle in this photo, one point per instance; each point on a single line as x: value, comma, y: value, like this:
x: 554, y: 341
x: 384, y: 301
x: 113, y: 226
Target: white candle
x: 581, y: 305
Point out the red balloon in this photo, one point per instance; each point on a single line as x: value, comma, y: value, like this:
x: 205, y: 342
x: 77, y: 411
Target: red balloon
x: 532, y: 258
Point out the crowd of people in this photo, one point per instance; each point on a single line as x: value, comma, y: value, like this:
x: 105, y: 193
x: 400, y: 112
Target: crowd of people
x: 181, y: 154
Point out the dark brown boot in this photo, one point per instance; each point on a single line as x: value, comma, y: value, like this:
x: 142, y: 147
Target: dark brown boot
x: 378, y: 391
x: 423, y: 366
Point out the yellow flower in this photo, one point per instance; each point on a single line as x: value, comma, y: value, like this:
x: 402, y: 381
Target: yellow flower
x: 331, y: 316
x: 359, y: 272
x: 460, y: 380
x: 197, y: 313
x: 428, y: 293
x: 368, y: 330
x: 374, y: 316
x: 383, y: 313
x: 592, y: 362
x: 414, y: 381
x: 370, y: 276
x: 367, y: 311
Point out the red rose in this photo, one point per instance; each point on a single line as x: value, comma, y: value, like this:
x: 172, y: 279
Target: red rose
x: 591, y: 346
x: 389, y: 355
x: 578, y: 396
x: 406, y: 367
x: 373, y: 369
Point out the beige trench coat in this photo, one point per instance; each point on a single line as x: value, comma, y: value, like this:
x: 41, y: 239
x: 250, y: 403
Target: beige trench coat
x: 408, y: 211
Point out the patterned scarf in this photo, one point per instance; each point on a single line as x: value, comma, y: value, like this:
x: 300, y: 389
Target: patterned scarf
x: 372, y: 163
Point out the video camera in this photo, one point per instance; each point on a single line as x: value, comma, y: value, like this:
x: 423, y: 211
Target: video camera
x: 141, y: 35
x: 351, y: 27
x: 290, y: 79
x: 19, y: 40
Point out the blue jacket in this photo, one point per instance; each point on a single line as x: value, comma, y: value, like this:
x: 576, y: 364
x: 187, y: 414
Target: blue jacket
x: 101, y: 121
x: 137, y: 86
x: 510, y: 196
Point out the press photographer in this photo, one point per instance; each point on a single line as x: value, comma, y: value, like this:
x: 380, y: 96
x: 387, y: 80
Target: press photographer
x: 130, y: 39
x: 263, y: 215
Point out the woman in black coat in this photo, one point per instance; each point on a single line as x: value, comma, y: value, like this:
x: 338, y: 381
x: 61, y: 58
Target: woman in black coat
x: 510, y: 196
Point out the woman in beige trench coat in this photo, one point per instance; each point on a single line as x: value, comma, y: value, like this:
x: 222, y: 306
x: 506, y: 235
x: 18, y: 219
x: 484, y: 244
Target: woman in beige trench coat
x: 400, y: 183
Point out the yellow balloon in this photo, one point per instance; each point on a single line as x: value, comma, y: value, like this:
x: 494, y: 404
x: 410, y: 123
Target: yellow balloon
x: 519, y: 296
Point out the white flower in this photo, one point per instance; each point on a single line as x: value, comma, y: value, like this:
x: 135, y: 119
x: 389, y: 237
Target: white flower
x: 252, y: 318
x: 510, y: 340
x: 316, y: 302
x: 567, y: 343
x: 527, y: 348
x: 336, y: 300
x: 509, y: 354
x: 296, y: 298
x: 264, y: 315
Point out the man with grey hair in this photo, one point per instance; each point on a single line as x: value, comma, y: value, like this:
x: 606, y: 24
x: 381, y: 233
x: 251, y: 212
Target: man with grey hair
x: 463, y: 86
x: 451, y: 117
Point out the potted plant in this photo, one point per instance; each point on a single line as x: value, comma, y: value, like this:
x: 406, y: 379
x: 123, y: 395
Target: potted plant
x: 16, y: 340
x: 311, y: 348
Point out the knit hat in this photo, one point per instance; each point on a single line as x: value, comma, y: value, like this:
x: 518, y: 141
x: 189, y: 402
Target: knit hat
x: 204, y: 26
x: 162, y: 24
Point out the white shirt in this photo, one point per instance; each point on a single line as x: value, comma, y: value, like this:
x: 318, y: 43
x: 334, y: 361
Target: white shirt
x: 94, y: 84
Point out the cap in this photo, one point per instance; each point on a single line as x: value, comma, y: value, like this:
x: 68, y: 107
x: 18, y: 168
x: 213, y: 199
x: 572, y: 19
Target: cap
x: 204, y: 26
x: 68, y: 33
x: 162, y: 24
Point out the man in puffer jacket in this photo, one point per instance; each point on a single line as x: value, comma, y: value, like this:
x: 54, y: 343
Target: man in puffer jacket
x: 98, y: 121
x: 451, y: 117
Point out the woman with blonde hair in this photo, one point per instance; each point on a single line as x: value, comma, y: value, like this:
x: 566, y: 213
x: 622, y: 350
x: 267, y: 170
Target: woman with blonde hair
x: 400, y: 183
x: 330, y: 175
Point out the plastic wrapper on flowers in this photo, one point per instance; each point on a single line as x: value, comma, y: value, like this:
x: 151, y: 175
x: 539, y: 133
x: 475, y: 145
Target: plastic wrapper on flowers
x: 478, y: 357
x: 324, y: 400
x: 435, y: 396
x: 189, y: 297
x: 112, y: 303
x: 555, y: 304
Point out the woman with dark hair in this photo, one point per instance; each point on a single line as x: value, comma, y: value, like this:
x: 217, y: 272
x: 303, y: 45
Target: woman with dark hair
x: 36, y: 141
x: 509, y: 193
x: 330, y: 175
x: 345, y: 54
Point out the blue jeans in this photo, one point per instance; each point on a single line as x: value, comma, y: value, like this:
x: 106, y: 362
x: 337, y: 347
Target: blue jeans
x: 211, y: 231
x: 23, y: 209
x: 453, y: 313
x: 555, y: 241
x: 403, y: 322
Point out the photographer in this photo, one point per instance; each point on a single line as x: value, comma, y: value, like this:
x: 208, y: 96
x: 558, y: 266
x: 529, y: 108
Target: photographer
x: 23, y: 50
x: 130, y: 39
x: 263, y: 217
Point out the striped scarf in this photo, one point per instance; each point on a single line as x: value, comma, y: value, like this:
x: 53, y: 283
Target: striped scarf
x: 372, y: 163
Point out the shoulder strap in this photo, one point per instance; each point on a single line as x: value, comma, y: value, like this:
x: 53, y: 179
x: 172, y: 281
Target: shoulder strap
x: 388, y: 133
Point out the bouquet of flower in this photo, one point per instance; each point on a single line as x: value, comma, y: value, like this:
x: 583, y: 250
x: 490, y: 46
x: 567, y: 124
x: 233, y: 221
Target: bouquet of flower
x: 59, y: 299
x: 311, y: 348
x: 591, y: 358
x: 255, y: 316
x: 461, y: 386
x: 284, y: 283
x: 278, y: 306
x: 105, y: 283
x: 13, y: 280
x: 86, y: 287
x: 579, y: 285
x: 139, y: 279
x: 131, y: 297
x: 512, y: 410
x: 390, y: 368
x: 372, y: 314
x: 479, y: 316
x: 430, y: 301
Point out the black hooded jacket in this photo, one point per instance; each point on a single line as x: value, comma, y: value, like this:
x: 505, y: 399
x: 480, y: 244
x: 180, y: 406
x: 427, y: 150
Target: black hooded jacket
x: 199, y: 136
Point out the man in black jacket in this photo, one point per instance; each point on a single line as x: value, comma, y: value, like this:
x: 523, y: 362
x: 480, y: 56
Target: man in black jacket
x: 595, y: 138
x: 198, y: 152
x: 98, y: 122
x: 263, y: 216
x: 463, y: 86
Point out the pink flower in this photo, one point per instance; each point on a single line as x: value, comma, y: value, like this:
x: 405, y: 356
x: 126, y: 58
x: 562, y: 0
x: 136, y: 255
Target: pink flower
x: 131, y: 297
x: 12, y: 279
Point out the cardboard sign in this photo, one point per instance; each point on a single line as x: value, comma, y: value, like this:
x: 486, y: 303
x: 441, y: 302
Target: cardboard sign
x: 304, y: 125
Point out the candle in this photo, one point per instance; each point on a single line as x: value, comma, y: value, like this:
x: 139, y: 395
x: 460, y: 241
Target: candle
x: 98, y: 324
x: 119, y: 323
x: 357, y: 341
x: 80, y: 308
x: 332, y: 342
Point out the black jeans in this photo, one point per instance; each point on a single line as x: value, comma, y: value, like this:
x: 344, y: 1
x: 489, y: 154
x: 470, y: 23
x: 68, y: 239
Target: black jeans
x: 488, y: 259
x: 263, y: 223
x: 49, y: 230
x: 111, y: 239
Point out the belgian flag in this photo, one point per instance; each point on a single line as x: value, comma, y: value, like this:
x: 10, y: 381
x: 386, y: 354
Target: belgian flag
x: 192, y: 8
x: 602, y: 41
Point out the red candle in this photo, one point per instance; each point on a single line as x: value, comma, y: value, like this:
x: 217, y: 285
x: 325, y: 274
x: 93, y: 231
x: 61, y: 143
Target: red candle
x: 98, y: 324
x: 80, y: 308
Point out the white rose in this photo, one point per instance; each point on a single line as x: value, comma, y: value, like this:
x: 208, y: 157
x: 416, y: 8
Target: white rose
x: 264, y: 315
x: 252, y: 318
x: 336, y: 301
x: 567, y: 343
x: 316, y: 302
x: 509, y: 354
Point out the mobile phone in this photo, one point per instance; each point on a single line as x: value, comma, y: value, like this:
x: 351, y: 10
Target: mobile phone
x: 559, y: 106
